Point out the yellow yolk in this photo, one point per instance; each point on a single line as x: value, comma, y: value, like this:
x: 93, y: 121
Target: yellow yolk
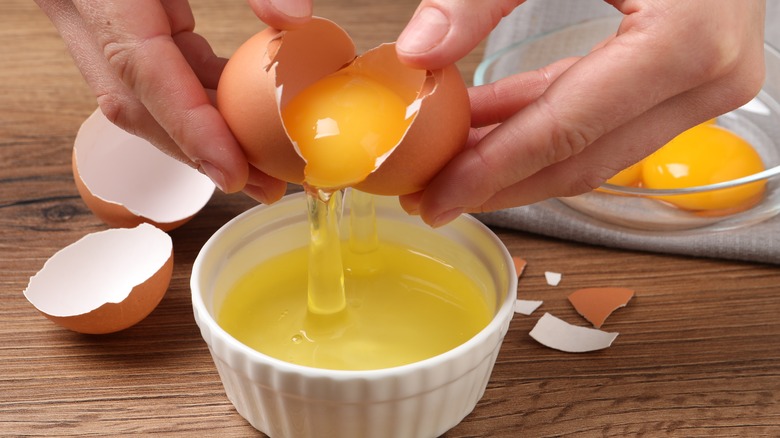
x: 342, y: 124
x: 705, y: 154
x: 630, y: 176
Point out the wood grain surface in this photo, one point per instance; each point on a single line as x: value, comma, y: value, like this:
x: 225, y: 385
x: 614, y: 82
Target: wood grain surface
x: 698, y: 352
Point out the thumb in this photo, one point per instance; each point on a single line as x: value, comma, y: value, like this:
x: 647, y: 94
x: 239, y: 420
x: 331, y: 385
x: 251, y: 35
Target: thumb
x: 443, y: 31
x: 282, y: 14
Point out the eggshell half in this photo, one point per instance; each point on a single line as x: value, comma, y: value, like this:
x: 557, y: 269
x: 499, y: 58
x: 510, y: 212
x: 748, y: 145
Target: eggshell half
x: 106, y: 281
x: 437, y: 133
x: 125, y: 180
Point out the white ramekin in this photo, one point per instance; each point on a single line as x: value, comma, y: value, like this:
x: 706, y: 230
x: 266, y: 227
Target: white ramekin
x: 422, y: 399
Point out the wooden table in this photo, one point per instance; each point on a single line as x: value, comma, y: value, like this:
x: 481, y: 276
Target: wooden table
x: 698, y: 352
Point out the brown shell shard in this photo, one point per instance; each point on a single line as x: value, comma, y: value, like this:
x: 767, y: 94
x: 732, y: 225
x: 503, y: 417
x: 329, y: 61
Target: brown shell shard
x: 597, y: 303
x: 520, y: 265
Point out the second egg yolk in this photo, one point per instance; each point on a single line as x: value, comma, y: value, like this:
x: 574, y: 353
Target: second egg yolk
x: 342, y: 124
x: 703, y: 155
x: 630, y: 176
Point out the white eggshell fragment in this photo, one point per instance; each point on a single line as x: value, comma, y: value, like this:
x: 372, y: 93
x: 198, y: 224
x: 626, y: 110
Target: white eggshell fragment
x: 106, y: 281
x: 560, y: 335
x: 125, y: 180
x: 553, y: 278
x: 527, y: 307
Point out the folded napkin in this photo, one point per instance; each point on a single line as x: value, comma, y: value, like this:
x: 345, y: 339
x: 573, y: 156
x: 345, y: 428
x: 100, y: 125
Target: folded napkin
x: 758, y: 243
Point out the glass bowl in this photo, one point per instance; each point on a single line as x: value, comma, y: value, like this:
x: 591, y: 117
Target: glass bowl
x: 420, y: 399
x: 758, y: 122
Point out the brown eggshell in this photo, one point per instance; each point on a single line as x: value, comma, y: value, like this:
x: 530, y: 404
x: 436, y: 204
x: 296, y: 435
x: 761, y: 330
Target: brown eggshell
x: 520, y: 264
x: 273, y: 66
x: 105, y: 282
x: 596, y: 303
x: 437, y: 133
x: 263, y: 74
x: 126, y: 181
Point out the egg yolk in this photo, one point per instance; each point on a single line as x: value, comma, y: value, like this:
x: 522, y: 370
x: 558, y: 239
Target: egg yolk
x: 630, y: 176
x: 342, y: 125
x: 705, y: 154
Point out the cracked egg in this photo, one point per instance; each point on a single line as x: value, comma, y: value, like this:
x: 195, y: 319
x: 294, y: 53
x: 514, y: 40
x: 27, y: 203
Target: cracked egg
x: 306, y: 109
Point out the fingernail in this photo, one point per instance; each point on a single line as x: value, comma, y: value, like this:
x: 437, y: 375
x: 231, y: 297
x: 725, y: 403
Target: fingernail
x: 257, y: 193
x: 214, y: 173
x: 293, y: 8
x: 446, y: 217
x: 426, y: 30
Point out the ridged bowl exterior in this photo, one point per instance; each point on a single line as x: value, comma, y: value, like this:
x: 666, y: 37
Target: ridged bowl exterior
x: 422, y: 399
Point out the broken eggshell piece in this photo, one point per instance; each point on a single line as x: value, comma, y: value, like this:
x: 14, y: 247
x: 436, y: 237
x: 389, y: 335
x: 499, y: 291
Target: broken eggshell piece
x: 125, y: 180
x: 274, y: 66
x: 558, y: 334
x: 520, y: 265
x: 553, y: 278
x: 596, y: 303
x: 527, y: 307
x: 106, y: 281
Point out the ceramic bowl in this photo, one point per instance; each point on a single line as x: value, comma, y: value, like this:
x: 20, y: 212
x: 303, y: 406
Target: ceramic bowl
x: 638, y: 208
x: 422, y: 399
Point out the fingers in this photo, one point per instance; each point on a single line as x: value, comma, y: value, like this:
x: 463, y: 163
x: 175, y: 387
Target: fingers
x: 495, y: 102
x: 264, y: 188
x: 443, y: 31
x: 613, y: 152
x: 129, y: 113
x: 604, y: 111
x: 206, y: 65
x: 282, y: 14
x: 137, y: 42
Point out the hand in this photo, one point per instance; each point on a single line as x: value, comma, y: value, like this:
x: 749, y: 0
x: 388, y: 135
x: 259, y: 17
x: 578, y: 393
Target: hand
x: 566, y: 128
x: 153, y: 76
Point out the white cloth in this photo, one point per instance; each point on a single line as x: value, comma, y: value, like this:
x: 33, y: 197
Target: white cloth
x: 759, y: 243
